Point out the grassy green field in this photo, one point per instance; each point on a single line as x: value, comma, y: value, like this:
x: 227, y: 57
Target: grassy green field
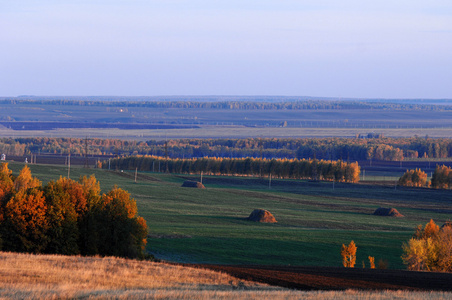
x: 314, y: 220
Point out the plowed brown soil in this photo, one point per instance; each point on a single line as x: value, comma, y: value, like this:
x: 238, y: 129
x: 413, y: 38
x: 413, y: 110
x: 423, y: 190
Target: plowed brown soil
x: 329, y: 278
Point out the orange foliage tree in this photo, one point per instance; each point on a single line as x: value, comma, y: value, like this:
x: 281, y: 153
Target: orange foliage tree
x: 372, y: 262
x: 25, y: 222
x: 348, y: 254
x: 6, y: 187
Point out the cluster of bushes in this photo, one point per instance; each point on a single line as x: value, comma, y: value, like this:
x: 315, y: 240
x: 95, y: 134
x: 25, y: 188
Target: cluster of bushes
x: 415, y: 178
x: 67, y: 217
x: 429, y: 249
x: 277, y: 168
x: 441, y: 178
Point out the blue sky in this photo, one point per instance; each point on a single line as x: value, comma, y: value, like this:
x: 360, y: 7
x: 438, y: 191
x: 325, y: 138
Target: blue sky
x: 360, y: 49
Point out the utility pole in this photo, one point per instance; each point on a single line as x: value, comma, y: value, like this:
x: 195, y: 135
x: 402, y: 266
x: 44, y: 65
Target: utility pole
x: 136, y: 171
x: 261, y: 150
x: 86, y: 153
x: 166, y: 157
x: 68, y: 165
x: 270, y: 181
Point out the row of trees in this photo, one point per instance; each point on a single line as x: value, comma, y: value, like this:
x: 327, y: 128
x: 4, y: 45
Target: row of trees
x: 429, y: 249
x: 236, y: 103
x: 389, y: 149
x: 277, y: 168
x: 67, y: 217
x: 441, y: 178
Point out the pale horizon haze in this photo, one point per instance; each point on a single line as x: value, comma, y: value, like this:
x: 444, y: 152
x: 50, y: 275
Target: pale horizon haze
x: 354, y: 49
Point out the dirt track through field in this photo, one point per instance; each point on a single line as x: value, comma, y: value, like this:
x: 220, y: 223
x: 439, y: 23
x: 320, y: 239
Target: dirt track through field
x: 330, y: 278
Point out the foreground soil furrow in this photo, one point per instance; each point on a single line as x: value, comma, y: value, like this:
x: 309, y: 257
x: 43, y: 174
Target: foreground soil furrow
x: 324, y: 278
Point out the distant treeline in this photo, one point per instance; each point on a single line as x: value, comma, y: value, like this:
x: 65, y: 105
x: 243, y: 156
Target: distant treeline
x: 277, y: 168
x: 67, y: 217
x: 231, y: 104
x: 348, y: 149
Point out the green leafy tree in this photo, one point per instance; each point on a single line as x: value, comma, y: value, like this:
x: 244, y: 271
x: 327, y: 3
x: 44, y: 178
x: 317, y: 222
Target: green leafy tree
x: 117, y: 230
x: 66, y: 204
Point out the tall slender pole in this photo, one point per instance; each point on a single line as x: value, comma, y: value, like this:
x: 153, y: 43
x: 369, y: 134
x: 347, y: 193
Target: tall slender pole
x: 270, y: 181
x: 68, y: 166
x: 136, y: 171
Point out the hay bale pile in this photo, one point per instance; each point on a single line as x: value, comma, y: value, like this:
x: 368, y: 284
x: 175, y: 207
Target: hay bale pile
x: 261, y: 215
x: 193, y: 184
x: 387, y: 212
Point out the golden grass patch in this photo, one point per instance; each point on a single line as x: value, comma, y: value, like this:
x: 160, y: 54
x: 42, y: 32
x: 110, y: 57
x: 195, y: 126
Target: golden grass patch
x: 27, y: 276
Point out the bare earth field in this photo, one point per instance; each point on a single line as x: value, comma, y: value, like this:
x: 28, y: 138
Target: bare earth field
x: 329, y: 278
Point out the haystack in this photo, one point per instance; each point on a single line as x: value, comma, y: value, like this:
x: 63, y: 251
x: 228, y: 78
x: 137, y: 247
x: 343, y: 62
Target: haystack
x: 387, y: 212
x: 261, y: 215
x: 193, y: 184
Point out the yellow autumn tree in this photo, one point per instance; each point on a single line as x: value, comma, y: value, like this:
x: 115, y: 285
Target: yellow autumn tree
x: 413, y: 178
x: 348, y: 254
x: 25, y: 180
x: 444, y: 249
x: 91, y: 189
x: 429, y: 249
